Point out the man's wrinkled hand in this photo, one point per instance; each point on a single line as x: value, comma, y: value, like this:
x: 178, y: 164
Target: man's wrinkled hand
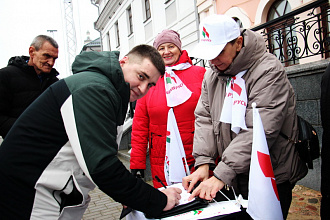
x: 173, y: 197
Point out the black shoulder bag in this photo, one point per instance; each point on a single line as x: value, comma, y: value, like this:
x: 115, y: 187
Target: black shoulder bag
x: 308, y: 142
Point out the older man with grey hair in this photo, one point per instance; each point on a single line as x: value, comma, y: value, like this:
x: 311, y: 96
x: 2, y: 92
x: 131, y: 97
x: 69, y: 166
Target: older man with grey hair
x: 25, y: 78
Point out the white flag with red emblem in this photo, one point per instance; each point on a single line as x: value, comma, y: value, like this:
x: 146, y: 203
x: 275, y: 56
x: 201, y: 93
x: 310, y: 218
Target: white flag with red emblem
x: 175, y: 166
x: 264, y: 202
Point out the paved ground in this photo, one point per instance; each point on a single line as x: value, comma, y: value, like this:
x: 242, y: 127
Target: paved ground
x: 305, y: 203
x: 102, y: 207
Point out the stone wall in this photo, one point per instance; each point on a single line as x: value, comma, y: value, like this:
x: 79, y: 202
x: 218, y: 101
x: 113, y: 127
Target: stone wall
x: 306, y: 81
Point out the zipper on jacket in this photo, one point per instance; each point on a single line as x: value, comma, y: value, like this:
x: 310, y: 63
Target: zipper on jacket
x: 150, y: 146
x: 150, y: 140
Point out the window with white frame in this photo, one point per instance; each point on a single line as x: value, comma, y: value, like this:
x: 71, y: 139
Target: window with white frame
x: 171, y: 14
x: 117, y: 34
x: 108, y: 40
x: 129, y: 20
x: 147, y: 10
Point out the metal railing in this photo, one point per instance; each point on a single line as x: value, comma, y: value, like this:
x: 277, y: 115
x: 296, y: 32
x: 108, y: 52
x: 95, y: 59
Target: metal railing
x: 291, y: 38
x: 199, y: 62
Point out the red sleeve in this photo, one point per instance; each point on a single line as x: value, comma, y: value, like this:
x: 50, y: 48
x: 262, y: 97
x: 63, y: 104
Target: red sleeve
x: 139, y: 135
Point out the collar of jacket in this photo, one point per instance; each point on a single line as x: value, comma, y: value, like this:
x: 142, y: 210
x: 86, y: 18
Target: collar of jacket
x: 22, y: 62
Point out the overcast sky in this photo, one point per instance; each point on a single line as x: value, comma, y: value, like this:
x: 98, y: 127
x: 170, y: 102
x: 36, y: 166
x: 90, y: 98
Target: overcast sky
x: 22, y: 20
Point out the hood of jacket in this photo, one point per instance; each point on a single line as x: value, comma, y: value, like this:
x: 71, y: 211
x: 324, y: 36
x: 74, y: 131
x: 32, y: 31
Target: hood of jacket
x: 22, y: 63
x: 253, y: 48
x: 19, y: 61
x: 105, y: 63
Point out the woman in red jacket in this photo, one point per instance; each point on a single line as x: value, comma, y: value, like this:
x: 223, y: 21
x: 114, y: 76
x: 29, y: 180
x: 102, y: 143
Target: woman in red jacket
x: 178, y: 90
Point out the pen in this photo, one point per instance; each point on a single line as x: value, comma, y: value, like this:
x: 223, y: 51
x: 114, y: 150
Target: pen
x: 157, y: 178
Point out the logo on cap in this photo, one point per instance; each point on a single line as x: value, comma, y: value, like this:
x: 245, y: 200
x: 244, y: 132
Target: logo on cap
x: 204, y: 32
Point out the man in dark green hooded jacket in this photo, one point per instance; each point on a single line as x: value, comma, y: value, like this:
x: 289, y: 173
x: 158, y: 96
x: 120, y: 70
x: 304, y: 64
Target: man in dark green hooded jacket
x: 64, y: 144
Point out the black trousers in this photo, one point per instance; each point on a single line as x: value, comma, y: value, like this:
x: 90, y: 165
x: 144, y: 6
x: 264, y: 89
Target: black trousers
x: 325, y: 174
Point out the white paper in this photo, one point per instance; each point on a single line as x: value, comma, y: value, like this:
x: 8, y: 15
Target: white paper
x: 213, y: 209
x: 184, y: 195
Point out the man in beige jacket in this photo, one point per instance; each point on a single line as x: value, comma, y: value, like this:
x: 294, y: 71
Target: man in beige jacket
x: 223, y: 128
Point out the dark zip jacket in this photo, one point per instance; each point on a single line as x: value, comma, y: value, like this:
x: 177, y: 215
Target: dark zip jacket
x: 19, y: 87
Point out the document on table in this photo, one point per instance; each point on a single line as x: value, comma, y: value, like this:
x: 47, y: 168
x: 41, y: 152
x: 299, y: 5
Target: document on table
x: 184, y: 195
x: 213, y: 209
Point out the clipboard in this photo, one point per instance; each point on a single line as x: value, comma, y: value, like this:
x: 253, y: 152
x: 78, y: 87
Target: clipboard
x: 197, y: 203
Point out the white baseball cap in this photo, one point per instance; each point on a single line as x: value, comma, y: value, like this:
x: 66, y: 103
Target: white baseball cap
x: 215, y: 32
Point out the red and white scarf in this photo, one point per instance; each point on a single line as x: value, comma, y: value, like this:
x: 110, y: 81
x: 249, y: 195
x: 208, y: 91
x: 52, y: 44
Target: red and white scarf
x: 175, y: 90
x: 175, y: 165
x: 234, y: 107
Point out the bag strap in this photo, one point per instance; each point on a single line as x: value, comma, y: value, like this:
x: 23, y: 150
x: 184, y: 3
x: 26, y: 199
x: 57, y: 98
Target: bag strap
x: 288, y: 138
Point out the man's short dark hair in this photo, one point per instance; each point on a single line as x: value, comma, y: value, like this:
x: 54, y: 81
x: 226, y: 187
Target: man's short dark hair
x: 233, y: 41
x: 39, y: 40
x: 144, y: 51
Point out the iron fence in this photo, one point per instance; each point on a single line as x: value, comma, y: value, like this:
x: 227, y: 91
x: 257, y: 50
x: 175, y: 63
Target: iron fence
x: 291, y: 38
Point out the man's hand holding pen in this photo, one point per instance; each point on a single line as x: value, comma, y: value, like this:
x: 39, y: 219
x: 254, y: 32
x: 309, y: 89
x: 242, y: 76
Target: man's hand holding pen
x: 173, y: 197
x: 172, y: 193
